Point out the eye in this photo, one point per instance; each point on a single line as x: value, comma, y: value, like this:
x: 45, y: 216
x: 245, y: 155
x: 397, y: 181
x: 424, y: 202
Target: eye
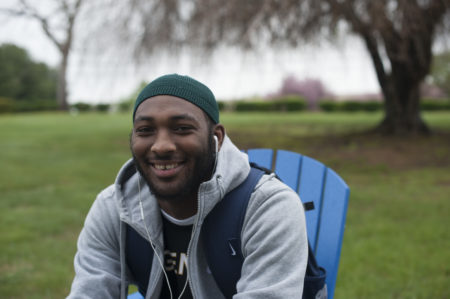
x: 183, y: 129
x: 144, y: 130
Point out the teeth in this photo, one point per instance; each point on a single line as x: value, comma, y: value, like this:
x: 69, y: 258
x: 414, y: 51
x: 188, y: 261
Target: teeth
x: 165, y: 166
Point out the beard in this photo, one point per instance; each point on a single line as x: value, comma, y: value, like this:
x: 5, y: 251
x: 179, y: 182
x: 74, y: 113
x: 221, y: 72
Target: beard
x: 187, y: 186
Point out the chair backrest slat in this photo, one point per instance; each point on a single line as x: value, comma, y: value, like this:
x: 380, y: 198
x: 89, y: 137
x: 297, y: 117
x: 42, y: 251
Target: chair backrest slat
x: 261, y: 156
x: 331, y: 229
x: 287, y: 167
x: 310, y: 189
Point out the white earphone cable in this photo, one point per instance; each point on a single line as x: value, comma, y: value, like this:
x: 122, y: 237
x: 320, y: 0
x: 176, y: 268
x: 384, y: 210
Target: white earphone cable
x: 151, y: 242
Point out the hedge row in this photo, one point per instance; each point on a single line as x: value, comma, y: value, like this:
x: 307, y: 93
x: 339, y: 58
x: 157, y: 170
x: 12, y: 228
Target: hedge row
x: 10, y: 106
x: 85, y: 107
x: 290, y: 103
x: 353, y: 106
x: 282, y: 104
x: 331, y: 106
x: 433, y: 105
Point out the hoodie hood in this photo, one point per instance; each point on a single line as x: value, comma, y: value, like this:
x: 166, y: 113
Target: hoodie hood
x: 231, y: 170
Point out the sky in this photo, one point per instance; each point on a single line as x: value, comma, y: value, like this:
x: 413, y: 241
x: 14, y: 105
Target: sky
x: 345, y: 69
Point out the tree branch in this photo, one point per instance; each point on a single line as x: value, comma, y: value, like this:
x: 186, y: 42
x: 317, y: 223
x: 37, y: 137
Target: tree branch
x: 30, y: 11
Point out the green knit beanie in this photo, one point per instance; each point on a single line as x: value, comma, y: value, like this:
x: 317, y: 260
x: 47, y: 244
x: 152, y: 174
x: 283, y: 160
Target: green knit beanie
x: 183, y: 87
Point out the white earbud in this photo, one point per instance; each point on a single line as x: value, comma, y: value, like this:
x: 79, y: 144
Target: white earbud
x: 217, y: 143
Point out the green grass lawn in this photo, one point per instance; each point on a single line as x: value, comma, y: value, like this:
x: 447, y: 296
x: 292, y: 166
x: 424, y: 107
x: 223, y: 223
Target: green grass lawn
x: 397, y: 239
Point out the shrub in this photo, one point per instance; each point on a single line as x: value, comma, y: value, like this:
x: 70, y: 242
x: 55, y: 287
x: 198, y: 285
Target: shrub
x: 372, y: 106
x: 248, y: 106
x: 351, y: 106
x: 6, y: 105
x: 125, y: 106
x: 35, y: 105
x: 222, y: 105
x: 289, y: 103
x: 329, y: 106
x: 82, y: 107
x: 435, y: 104
x: 102, y: 107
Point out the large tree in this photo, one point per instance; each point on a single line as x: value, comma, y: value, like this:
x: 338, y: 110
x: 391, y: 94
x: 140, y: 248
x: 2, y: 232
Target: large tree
x: 57, y: 21
x: 398, y: 34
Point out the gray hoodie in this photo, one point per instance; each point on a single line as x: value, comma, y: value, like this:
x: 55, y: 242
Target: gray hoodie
x: 274, y: 242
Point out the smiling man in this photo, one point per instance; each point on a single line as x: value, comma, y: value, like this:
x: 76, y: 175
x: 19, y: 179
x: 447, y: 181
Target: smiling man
x: 183, y: 165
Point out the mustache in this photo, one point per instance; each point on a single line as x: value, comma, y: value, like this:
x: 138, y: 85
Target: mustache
x: 164, y: 157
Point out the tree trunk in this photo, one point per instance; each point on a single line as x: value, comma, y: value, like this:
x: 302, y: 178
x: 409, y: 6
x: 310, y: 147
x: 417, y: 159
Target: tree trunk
x: 61, y: 89
x: 402, y: 108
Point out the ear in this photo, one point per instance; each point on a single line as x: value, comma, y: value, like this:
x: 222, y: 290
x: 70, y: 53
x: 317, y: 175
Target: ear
x: 219, y: 132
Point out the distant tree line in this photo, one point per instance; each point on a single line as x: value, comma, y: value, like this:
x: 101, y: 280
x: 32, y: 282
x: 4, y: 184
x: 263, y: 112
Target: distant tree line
x: 25, y: 85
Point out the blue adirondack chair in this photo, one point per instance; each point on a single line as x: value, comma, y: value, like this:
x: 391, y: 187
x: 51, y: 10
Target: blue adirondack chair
x: 316, y: 183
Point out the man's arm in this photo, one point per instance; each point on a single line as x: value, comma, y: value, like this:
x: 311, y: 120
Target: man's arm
x: 274, y: 244
x: 97, y: 261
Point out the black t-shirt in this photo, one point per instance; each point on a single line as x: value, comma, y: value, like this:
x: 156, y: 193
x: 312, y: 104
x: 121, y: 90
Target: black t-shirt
x: 176, y: 242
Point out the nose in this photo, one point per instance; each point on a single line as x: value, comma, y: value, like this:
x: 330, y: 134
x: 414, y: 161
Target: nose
x: 163, y: 143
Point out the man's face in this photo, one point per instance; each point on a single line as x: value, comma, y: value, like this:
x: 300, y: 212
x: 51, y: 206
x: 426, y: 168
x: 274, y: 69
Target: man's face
x: 172, y: 146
